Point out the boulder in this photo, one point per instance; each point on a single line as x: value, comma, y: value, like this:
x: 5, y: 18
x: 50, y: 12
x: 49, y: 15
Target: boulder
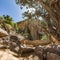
x: 51, y: 52
x: 3, y: 33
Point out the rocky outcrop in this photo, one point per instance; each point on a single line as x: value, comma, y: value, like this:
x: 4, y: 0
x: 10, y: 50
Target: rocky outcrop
x: 12, y: 42
x: 3, y: 33
x: 35, y: 29
x: 39, y: 54
x: 32, y: 27
x: 11, y: 47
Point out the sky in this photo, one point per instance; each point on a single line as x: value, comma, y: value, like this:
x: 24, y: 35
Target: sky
x: 9, y: 7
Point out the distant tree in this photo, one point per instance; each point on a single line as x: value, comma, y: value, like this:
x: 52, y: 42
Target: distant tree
x: 49, y: 10
x: 7, y: 19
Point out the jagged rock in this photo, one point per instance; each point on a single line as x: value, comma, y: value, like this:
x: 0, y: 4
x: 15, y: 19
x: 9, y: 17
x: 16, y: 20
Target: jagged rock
x: 3, y: 33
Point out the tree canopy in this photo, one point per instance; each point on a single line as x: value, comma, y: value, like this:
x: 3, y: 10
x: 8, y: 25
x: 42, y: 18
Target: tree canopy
x: 49, y: 10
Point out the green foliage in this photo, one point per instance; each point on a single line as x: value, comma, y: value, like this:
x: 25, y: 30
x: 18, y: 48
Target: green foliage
x: 43, y: 22
x: 7, y: 19
x: 8, y: 25
x: 16, y: 27
x: 33, y: 4
x: 9, y: 22
x: 1, y: 18
x: 45, y: 37
x: 12, y: 23
x: 26, y: 35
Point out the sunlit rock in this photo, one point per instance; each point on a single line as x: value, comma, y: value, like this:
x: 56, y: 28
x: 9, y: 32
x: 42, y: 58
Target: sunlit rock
x: 3, y: 33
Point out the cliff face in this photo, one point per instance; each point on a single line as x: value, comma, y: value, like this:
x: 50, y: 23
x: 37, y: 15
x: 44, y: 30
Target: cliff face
x: 32, y: 27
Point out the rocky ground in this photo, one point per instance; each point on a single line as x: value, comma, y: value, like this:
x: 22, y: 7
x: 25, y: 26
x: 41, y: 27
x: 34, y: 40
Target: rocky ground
x: 8, y: 44
x: 9, y: 55
x: 12, y: 49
